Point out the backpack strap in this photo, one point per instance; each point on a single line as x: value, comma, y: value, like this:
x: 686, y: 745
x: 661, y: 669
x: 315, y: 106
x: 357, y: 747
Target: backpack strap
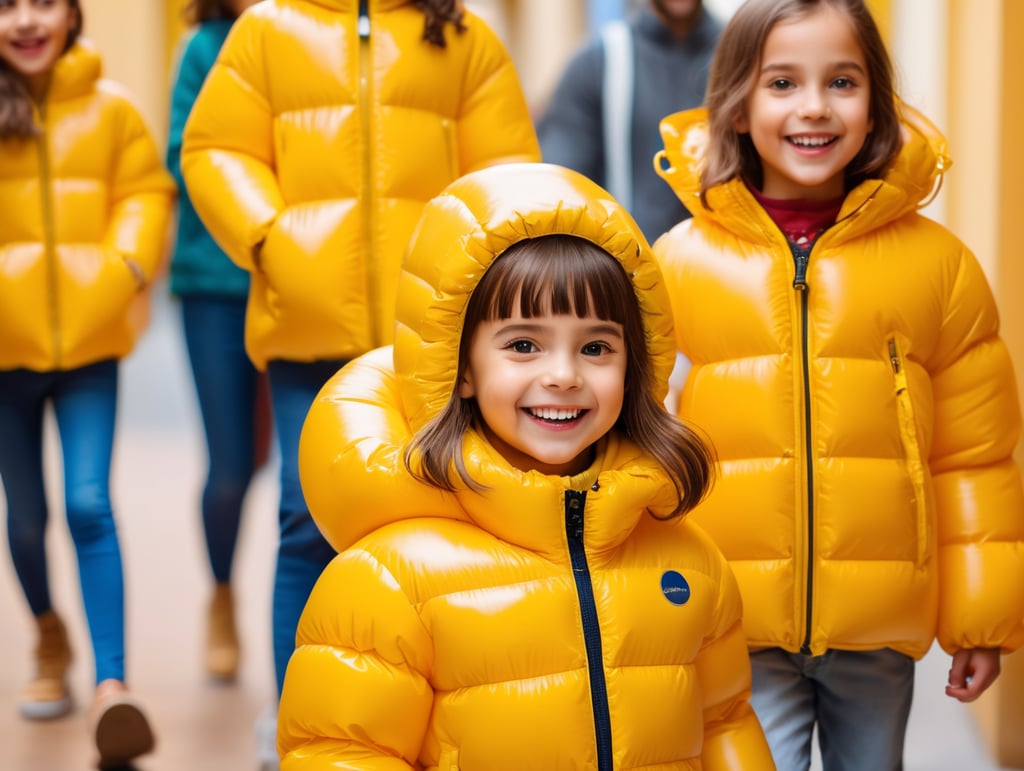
x: 617, y: 110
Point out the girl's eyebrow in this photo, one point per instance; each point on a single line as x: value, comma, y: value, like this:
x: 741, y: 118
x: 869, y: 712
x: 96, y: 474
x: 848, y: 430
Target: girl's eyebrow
x: 603, y: 328
x: 787, y: 67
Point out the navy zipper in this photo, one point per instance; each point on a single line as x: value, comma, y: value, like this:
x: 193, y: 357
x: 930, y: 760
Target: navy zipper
x: 801, y: 256
x: 574, y: 505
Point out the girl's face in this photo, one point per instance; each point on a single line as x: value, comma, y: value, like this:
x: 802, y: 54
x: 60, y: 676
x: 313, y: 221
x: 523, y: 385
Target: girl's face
x: 33, y: 34
x: 547, y: 387
x: 808, y: 114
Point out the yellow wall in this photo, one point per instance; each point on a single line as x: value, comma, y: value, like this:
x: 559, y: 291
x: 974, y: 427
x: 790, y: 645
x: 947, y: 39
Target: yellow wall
x: 986, y: 113
x: 130, y: 36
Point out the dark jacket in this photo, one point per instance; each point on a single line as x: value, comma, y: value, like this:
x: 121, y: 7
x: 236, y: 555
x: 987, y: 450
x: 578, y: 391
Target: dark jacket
x: 669, y: 75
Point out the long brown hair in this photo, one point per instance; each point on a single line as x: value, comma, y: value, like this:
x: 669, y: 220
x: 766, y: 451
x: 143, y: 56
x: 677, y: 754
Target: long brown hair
x: 198, y: 11
x: 734, y: 69
x: 564, y: 274
x: 436, y: 14
x: 16, y: 119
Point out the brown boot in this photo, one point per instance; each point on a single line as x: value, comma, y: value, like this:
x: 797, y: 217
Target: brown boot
x: 222, y: 649
x: 47, y: 696
x: 119, y: 725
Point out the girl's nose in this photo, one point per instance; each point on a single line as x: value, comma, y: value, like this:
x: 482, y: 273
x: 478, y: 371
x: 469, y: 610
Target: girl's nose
x: 815, y: 106
x: 562, y: 373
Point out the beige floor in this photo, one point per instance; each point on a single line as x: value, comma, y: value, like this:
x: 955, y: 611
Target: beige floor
x: 203, y: 726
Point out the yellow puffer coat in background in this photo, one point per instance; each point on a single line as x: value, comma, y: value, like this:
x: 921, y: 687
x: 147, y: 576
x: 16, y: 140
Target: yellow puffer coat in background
x: 75, y: 202
x: 311, y: 151
x: 865, y: 426
x: 452, y: 638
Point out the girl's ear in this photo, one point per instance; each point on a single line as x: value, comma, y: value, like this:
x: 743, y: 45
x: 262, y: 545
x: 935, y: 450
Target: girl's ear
x: 466, y: 388
x: 741, y: 123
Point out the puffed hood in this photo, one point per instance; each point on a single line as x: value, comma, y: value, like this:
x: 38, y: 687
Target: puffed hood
x: 467, y: 227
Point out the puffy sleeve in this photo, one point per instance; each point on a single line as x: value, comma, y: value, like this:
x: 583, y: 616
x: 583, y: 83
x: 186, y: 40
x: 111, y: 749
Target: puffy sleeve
x: 228, y: 145
x: 977, y: 484
x: 356, y: 693
x: 494, y: 123
x: 733, y: 738
x: 142, y: 195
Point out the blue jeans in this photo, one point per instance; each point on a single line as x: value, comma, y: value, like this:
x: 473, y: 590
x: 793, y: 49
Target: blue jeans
x: 226, y: 384
x: 85, y: 404
x: 302, y: 552
x: 860, y: 701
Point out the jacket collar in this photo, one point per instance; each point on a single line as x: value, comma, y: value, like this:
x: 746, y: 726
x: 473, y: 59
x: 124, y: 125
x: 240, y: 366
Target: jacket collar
x: 76, y: 72
x: 908, y: 185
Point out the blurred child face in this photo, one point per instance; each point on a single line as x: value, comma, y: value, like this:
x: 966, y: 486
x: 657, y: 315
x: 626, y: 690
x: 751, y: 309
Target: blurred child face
x: 809, y: 113
x: 547, y: 387
x: 33, y: 35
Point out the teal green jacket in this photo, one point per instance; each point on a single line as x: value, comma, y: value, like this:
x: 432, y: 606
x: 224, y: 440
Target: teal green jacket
x: 198, y: 266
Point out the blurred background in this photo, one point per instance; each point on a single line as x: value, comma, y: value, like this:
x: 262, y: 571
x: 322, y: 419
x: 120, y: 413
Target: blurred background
x: 960, y: 62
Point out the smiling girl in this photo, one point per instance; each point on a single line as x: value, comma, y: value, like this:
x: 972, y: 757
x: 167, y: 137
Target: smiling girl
x: 86, y: 203
x: 527, y: 593
x: 846, y: 360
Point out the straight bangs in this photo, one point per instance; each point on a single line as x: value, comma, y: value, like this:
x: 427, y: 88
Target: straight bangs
x: 557, y: 274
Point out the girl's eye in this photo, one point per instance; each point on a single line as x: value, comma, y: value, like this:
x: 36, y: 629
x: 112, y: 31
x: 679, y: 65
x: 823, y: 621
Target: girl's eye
x: 521, y: 346
x: 842, y: 83
x: 596, y: 349
x: 780, y: 84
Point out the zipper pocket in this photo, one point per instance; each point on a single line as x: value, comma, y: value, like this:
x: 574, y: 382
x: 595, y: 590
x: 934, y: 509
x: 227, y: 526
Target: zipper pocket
x: 912, y: 449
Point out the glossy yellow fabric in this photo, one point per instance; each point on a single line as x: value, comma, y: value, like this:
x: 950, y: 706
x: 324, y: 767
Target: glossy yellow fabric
x: 868, y: 496
x: 89, y: 192
x: 450, y: 637
x: 309, y: 155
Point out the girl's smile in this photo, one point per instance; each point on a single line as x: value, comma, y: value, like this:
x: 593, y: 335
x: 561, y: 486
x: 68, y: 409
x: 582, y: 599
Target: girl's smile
x: 808, y: 114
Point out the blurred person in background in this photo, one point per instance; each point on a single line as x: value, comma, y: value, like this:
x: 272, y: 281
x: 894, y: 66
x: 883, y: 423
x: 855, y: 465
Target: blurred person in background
x: 602, y: 119
x: 320, y: 133
x: 87, y: 203
x: 232, y: 393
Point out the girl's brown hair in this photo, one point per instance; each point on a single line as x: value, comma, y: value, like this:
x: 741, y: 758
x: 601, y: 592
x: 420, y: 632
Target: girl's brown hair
x: 198, y: 11
x: 734, y: 70
x: 16, y: 121
x: 436, y: 14
x: 563, y: 274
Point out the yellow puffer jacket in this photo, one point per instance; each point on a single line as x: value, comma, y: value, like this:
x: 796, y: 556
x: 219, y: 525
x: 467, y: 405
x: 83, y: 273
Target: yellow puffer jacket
x: 77, y: 201
x: 311, y: 151
x: 458, y: 635
x: 865, y: 425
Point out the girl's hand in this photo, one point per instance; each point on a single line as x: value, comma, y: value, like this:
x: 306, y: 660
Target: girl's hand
x: 133, y: 266
x: 972, y: 672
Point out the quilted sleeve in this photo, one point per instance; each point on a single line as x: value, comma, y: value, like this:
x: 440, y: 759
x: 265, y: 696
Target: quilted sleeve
x: 977, y: 484
x: 356, y: 693
x: 228, y: 146
x: 142, y: 195
x: 494, y: 124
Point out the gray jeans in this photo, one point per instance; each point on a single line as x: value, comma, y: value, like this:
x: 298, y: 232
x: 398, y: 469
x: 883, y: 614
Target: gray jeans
x: 860, y: 701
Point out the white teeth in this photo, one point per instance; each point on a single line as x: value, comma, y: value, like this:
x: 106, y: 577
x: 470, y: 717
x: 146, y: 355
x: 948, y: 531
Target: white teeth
x: 551, y: 413
x: 810, y: 141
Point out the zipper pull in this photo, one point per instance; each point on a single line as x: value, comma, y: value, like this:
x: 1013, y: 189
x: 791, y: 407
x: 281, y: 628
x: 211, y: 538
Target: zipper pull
x: 801, y: 255
x: 894, y: 357
x: 364, y: 20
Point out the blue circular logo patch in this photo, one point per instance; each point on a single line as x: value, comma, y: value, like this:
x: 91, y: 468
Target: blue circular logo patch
x: 675, y: 588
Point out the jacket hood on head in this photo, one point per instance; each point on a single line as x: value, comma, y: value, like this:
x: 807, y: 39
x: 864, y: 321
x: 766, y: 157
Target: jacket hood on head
x: 909, y: 184
x: 468, y: 226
